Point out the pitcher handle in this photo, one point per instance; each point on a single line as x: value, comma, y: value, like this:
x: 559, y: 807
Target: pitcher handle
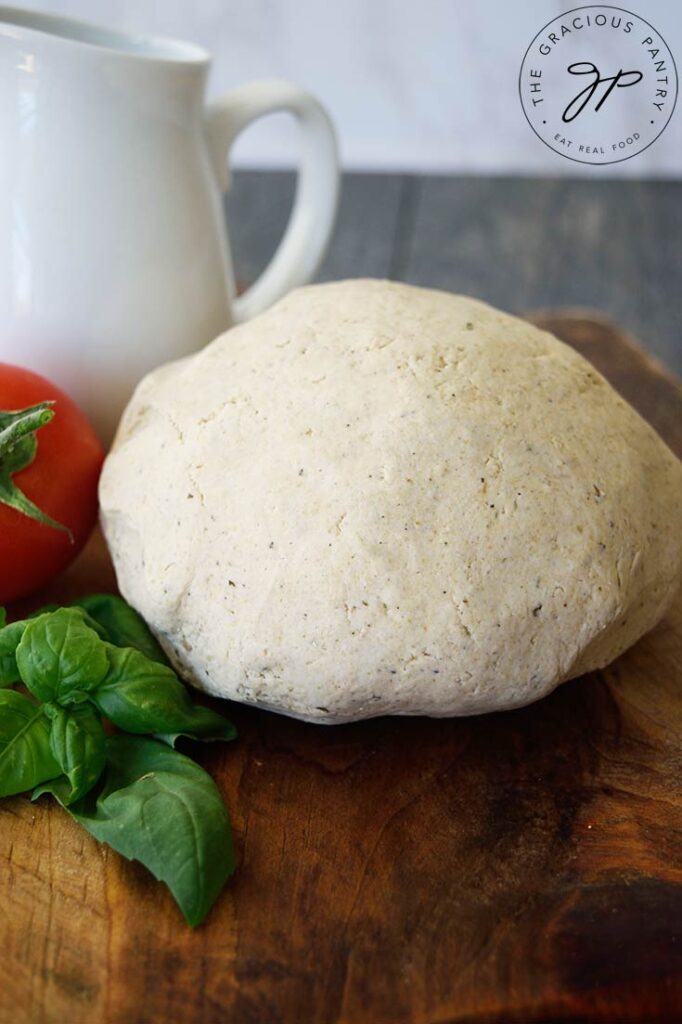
x: 305, y: 240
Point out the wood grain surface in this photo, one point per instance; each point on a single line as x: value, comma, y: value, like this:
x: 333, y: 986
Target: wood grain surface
x: 517, y: 867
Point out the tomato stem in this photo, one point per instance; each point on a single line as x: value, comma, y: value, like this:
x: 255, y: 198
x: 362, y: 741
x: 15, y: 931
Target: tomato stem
x: 18, y: 447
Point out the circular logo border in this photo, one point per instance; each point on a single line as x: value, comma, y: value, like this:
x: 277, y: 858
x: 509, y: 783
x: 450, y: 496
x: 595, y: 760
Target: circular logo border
x: 591, y: 7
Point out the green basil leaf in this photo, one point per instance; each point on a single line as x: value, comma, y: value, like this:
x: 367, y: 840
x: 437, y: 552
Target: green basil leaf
x: 10, y: 637
x: 44, y: 609
x: 142, y: 696
x: 78, y: 743
x: 25, y: 756
x: 159, y: 807
x: 92, y: 623
x: 228, y: 732
x: 87, y: 619
x: 60, y: 658
x: 123, y: 626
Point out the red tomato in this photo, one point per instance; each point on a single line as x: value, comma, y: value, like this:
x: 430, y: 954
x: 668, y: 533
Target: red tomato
x: 61, y: 481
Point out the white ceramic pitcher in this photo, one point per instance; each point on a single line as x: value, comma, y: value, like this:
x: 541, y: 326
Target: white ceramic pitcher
x: 113, y: 252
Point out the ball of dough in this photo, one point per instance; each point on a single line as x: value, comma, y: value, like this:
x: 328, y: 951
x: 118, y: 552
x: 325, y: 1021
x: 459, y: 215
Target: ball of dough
x: 378, y: 499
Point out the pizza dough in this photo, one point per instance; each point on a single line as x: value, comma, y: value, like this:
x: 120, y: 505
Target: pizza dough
x: 377, y: 499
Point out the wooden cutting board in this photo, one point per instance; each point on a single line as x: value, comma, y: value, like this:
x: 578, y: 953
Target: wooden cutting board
x: 516, y: 867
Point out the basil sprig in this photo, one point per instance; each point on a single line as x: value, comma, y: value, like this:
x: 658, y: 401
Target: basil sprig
x: 97, y: 659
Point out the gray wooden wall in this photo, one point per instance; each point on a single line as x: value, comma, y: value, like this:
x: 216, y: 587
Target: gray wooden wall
x: 613, y: 247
